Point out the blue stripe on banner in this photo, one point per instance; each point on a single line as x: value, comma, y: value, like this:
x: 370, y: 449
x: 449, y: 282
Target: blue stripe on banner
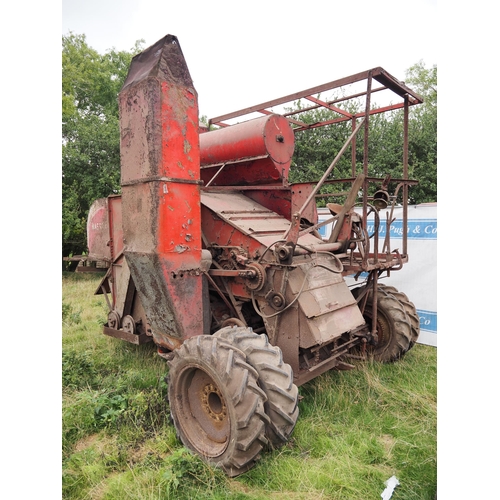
x: 428, y: 320
x: 418, y: 229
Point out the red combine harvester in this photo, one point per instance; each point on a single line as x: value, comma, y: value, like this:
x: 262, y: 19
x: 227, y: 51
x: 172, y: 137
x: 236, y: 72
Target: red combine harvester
x: 216, y: 258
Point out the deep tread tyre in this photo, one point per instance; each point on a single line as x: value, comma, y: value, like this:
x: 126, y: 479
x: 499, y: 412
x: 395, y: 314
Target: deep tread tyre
x: 216, y: 404
x: 275, y: 378
x: 411, y: 311
x: 393, y: 325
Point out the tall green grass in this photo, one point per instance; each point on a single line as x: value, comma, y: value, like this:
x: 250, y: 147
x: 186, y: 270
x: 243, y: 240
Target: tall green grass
x: 355, y: 430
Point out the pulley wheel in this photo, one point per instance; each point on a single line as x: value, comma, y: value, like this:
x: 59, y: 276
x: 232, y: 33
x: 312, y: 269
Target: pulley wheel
x: 259, y: 280
x: 114, y: 320
x: 128, y: 325
x: 277, y: 301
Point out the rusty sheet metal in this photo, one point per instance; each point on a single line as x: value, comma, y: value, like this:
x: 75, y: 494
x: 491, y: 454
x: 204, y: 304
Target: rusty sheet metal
x: 161, y: 189
x: 328, y: 306
x: 98, y: 231
x: 249, y: 218
x: 129, y: 337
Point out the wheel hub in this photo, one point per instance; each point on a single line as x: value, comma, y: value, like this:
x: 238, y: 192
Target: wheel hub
x: 382, y: 329
x: 213, y: 403
x: 207, y: 419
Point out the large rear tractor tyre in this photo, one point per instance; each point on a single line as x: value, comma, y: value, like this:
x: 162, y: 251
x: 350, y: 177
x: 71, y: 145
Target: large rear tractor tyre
x: 216, y: 404
x: 411, y: 311
x: 275, y: 378
x: 394, y: 328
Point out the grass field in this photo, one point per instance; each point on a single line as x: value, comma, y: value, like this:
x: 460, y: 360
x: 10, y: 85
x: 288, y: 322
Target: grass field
x: 355, y: 430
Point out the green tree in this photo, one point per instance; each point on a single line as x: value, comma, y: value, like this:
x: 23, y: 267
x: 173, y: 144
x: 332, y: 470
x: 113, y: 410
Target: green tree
x: 385, y: 153
x: 423, y: 133
x: 90, y: 132
x: 316, y: 148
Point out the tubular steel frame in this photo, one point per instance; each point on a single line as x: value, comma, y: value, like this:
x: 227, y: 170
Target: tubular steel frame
x: 408, y: 98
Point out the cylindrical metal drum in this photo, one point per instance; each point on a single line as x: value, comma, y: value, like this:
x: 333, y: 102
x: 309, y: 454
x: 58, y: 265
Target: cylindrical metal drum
x: 270, y: 136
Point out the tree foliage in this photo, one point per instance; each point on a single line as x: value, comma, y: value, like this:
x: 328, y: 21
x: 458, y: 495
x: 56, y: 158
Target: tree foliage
x: 316, y: 148
x: 90, y: 132
x: 423, y: 132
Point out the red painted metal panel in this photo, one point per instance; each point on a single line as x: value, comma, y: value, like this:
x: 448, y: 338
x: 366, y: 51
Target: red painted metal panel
x: 180, y: 150
x: 278, y: 201
x: 235, y: 219
x: 267, y: 135
x: 161, y: 189
x: 179, y: 221
x: 98, y: 231
x: 257, y: 151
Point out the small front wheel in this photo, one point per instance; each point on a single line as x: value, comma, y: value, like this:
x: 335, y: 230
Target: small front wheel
x: 394, y: 328
x: 411, y: 311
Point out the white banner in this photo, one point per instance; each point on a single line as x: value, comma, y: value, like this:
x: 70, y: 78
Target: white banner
x: 418, y: 278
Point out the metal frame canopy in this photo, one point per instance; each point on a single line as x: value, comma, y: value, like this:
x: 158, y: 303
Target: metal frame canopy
x: 362, y: 84
x: 387, y: 81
